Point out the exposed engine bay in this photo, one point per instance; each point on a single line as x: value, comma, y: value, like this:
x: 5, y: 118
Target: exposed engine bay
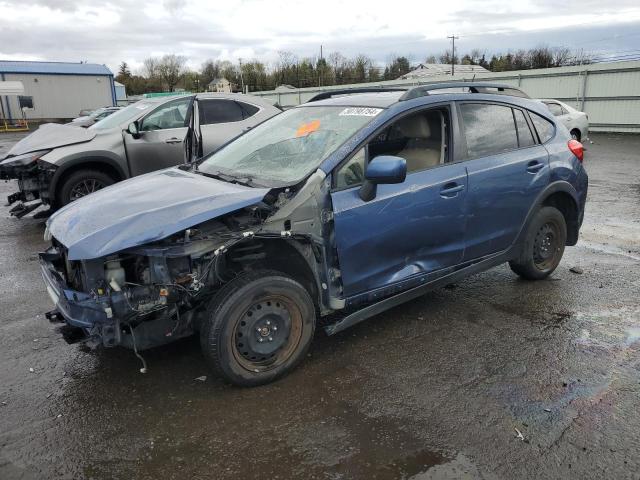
x: 155, y: 293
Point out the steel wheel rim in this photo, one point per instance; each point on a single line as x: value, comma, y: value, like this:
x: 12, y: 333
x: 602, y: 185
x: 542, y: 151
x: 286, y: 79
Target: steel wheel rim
x: 545, y: 246
x: 84, y: 188
x: 267, y: 333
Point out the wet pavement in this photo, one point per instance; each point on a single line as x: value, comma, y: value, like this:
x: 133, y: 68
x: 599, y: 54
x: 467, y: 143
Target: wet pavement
x: 435, y: 389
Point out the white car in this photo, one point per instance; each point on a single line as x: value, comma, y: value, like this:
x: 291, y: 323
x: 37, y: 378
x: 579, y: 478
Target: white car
x: 95, y: 116
x: 577, y: 122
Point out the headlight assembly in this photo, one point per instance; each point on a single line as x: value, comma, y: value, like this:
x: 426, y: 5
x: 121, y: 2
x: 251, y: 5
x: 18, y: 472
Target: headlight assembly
x: 23, y: 160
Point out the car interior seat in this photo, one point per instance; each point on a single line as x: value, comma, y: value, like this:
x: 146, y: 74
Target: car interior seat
x: 423, y: 147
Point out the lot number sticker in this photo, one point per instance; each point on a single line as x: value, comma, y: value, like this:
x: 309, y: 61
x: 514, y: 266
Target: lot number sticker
x: 361, y: 112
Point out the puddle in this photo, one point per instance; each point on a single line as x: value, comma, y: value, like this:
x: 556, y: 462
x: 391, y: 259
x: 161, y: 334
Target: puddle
x: 363, y: 446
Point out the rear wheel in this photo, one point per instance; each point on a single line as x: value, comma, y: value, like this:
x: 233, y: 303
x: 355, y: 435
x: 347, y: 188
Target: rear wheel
x: 82, y: 183
x: 258, y: 328
x: 543, y: 245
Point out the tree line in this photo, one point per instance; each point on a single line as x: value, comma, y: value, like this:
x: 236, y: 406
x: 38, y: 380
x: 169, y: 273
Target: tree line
x: 170, y: 72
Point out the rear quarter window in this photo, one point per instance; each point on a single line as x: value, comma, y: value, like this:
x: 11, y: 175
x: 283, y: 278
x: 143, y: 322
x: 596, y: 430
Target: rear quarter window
x: 219, y: 111
x: 543, y: 126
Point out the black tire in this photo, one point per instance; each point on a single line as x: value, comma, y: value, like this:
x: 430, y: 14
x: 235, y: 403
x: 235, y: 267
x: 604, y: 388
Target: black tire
x: 257, y: 328
x: 543, y: 246
x: 81, y: 183
x: 575, y: 134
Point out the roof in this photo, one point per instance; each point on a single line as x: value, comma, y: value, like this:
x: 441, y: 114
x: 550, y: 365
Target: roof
x: 433, y: 69
x: 53, y: 68
x: 380, y: 99
x: 218, y: 80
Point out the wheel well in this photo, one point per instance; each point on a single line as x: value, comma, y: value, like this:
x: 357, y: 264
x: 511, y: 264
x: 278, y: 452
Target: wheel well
x: 577, y: 132
x: 88, y: 165
x: 567, y: 206
x: 279, y: 255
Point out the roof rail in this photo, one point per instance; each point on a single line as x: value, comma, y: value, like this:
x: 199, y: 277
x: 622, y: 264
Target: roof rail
x: 474, y: 87
x: 348, y: 91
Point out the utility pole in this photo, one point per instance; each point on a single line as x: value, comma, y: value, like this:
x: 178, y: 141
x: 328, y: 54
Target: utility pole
x: 321, y: 69
x: 453, y: 53
x: 241, y: 79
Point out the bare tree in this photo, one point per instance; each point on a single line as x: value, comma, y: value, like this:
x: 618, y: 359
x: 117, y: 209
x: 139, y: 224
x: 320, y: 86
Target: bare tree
x: 150, y: 67
x: 561, y: 56
x: 170, y: 70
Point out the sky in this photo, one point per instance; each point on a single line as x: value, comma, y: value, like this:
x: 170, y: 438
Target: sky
x: 109, y: 32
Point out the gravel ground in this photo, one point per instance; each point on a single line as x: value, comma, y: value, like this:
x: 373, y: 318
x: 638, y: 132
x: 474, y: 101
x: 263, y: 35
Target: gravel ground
x: 435, y: 389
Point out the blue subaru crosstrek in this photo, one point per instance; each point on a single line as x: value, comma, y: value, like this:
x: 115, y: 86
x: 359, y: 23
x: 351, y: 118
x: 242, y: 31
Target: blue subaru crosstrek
x: 324, y: 215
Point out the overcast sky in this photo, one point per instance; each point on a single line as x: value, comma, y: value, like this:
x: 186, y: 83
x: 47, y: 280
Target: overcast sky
x: 109, y: 32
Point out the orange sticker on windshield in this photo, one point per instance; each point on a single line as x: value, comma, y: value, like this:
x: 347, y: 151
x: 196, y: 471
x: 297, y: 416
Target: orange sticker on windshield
x: 307, y: 128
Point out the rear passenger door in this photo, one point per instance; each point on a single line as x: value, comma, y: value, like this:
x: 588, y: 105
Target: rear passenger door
x: 221, y: 120
x: 507, y: 169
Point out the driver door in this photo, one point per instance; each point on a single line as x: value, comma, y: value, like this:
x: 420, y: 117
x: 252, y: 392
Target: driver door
x: 164, y: 134
x: 408, y: 229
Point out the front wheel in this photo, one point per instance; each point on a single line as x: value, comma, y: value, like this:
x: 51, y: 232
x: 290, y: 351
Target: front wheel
x: 543, y: 245
x: 82, y: 183
x: 258, y: 328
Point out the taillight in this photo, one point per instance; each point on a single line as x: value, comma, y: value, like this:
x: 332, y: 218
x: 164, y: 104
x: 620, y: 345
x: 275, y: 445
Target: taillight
x: 576, y: 148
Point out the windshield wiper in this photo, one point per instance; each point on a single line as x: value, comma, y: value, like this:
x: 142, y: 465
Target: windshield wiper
x: 245, y: 180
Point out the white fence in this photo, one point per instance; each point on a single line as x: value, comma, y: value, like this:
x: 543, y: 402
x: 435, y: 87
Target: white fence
x: 608, y: 92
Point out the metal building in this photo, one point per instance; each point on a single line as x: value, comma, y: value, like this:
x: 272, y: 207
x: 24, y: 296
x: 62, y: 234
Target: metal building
x: 58, y: 90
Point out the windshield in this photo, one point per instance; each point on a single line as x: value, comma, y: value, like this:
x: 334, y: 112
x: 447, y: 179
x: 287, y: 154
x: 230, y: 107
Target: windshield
x: 288, y: 147
x: 122, y: 116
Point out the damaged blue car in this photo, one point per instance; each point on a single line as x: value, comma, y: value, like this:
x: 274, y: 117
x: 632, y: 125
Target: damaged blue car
x: 322, y: 216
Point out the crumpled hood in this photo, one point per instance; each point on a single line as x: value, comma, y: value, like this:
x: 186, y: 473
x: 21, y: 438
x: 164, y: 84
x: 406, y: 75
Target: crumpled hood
x: 145, y: 209
x: 51, y: 135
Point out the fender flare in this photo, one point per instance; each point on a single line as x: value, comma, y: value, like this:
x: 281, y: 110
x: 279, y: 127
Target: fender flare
x: 554, y: 187
x: 59, y: 173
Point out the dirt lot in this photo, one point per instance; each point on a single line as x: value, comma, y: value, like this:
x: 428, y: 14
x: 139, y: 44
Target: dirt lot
x: 433, y: 389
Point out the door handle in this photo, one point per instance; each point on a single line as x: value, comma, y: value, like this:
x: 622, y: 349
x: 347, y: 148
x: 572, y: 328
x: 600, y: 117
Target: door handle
x: 534, y: 166
x: 173, y: 140
x: 451, y: 190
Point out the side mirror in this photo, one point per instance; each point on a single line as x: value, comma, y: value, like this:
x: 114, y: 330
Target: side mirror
x: 385, y: 169
x: 133, y: 129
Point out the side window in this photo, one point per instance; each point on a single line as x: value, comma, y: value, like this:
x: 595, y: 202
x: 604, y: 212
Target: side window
x: 219, y: 111
x: 543, y: 126
x: 352, y: 172
x: 170, y: 115
x: 525, y: 137
x: 248, y: 110
x: 488, y: 129
x: 419, y: 138
x: 555, y: 108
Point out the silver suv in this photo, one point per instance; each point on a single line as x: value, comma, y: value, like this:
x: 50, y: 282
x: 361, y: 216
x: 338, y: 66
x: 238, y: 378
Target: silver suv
x: 57, y: 164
